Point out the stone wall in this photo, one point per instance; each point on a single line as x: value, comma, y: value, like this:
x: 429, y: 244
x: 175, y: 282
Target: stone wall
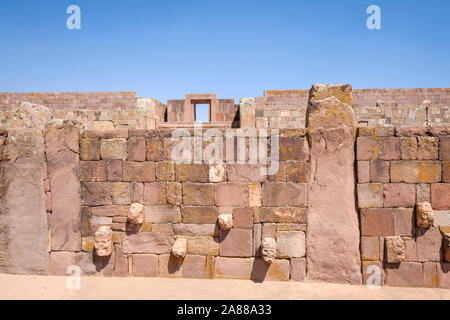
x: 397, y: 170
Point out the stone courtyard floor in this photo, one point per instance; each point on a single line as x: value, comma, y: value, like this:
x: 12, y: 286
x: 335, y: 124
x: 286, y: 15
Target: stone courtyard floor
x: 54, y: 288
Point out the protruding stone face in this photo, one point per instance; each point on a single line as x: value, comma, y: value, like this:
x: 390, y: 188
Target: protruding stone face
x: 179, y: 248
x: 217, y: 173
x: 136, y: 214
x: 395, y: 249
x: 268, y: 250
x: 103, y: 241
x: 424, y: 215
x: 225, y: 221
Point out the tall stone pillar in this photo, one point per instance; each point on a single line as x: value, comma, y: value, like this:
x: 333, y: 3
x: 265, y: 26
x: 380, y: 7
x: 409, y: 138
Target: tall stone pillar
x: 333, y: 229
x: 23, y: 216
x: 247, y: 114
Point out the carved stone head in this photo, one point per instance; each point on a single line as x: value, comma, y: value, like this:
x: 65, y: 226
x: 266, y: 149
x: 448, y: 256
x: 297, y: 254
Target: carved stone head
x: 225, y: 221
x: 136, y: 214
x: 268, y: 250
x: 103, y: 241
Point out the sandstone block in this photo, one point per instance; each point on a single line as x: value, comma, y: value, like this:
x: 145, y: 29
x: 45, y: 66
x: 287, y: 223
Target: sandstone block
x: 440, y: 196
x: 373, y: 273
x: 169, y: 266
x: 60, y: 261
x: 403, y: 221
x: 203, y: 245
x: 379, y: 171
x: 121, y: 193
x: 198, y: 194
x: 399, y: 195
x: 370, y: 195
x: 246, y: 173
x: 429, y: 243
x: 415, y: 171
x: 251, y: 268
x: 192, y: 172
x: 149, y: 242
x: 137, y: 192
x: 194, y: 267
x: 247, y: 113
x: 384, y: 148
x: 408, y: 148
x: 283, y: 215
x: 293, y: 148
x: 370, y: 248
x: 428, y: 148
x: 444, y: 148
x: 232, y: 194
x: 136, y: 149
x: 174, y: 194
x: 139, y: 171
x: 155, y: 151
x: 111, y: 149
x: 243, y: 218
x: 165, y: 171
x: 377, y: 222
x: 446, y: 171
x: 255, y: 195
x: 298, y: 269
x: 162, y: 214
x: 96, y: 194
x: 423, y: 192
x: 447, y: 247
x: 154, y: 194
x: 217, y: 173
x: 284, y: 194
x: 93, y: 171
x: 410, y: 250
x: 363, y: 171
x: 236, y: 243
x: 297, y: 171
x: 145, y: 265
x: 90, y: 149
x: 291, y: 244
x: 184, y: 229
x: 395, y: 249
x: 407, y: 274
x: 110, y: 211
x: 114, y: 170
x: 200, y: 215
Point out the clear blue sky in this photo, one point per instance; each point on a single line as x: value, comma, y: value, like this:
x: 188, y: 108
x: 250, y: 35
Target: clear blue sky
x: 235, y: 48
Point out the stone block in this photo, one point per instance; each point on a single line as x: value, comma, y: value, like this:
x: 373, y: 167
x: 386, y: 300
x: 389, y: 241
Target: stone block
x: 121, y: 193
x: 110, y: 211
x: 379, y: 171
x: 370, y: 248
x: 154, y: 194
x: 372, y: 273
x: 384, y: 148
x: 279, y: 175
x: 200, y: 215
x: 187, y: 229
x: 155, y: 151
x: 410, y: 250
x: 251, y: 268
x: 121, y: 266
x: 283, y: 215
x: 429, y: 243
x: 137, y: 192
x: 399, y: 195
x: 377, y: 222
x: 409, y: 148
x: 236, y: 243
x: 297, y: 171
x: 136, y: 149
x: 254, y: 195
x: 194, y: 267
x: 291, y: 244
x: 113, y: 149
x: 95, y: 194
x: 60, y: 261
x: 174, y: 194
x: 145, y: 265
x: 217, y: 173
x: 284, y: 194
x: 444, y: 148
x: 165, y: 171
x: 445, y: 171
x: 403, y: 221
x: 169, y: 266
x: 395, y: 249
x: 428, y: 148
x: 246, y: 173
x: 423, y: 192
x: 242, y: 218
x: 293, y: 148
x: 114, y: 170
x: 257, y: 237
x: 363, y: 168
x: 298, y: 269
x: 416, y: 171
x: 162, y: 214
x: 139, y: 171
x: 198, y: 194
x: 93, y: 171
x: 370, y: 195
x: 192, y: 172
x: 440, y: 196
x: 232, y: 194
x: 406, y: 274
x: 149, y: 242
x: 203, y: 245
x: 89, y: 149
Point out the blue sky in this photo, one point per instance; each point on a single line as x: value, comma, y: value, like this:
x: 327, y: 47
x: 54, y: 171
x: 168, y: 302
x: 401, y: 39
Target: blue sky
x: 235, y: 48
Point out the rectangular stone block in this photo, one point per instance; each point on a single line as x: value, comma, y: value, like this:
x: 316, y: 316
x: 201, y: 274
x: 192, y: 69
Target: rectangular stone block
x: 377, y: 222
x: 139, y: 171
x: 297, y: 171
x: 409, y: 148
x: 184, y: 229
x: 149, y: 242
x: 373, y: 273
x: 137, y: 192
x: 381, y: 148
x: 89, y: 149
x: 136, y: 149
x: 110, y: 211
x: 406, y: 274
x: 399, y: 195
x: 236, y: 243
x: 444, y: 148
x: 162, y: 214
x: 242, y: 218
x: 283, y: 215
x: 121, y: 193
x: 246, y: 172
x: 174, y: 195
x: 440, y: 196
x: 403, y: 221
x: 198, y: 194
x: 232, y: 195
x: 429, y: 244
x: 291, y: 244
x: 194, y: 267
x: 445, y: 171
x: 111, y: 149
x: 93, y: 171
x: 428, y: 148
x: 255, y: 195
x: 200, y: 215
x: 363, y: 168
x: 169, y: 266
x: 165, y: 171
x: 60, y: 261
x: 284, y: 194
x: 155, y: 194
x: 370, y: 248
x: 379, y: 171
x: 416, y: 171
x: 257, y: 237
x: 192, y: 172
x: 370, y: 195
x: 145, y: 265
x: 114, y: 170
x: 154, y: 148
x: 96, y: 193
x: 298, y: 269
x: 294, y: 148
x: 251, y: 268
x: 203, y: 245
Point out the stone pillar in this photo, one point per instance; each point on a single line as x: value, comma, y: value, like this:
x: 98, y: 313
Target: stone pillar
x: 247, y: 113
x: 333, y: 229
x: 23, y: 216
x: 62, y: 141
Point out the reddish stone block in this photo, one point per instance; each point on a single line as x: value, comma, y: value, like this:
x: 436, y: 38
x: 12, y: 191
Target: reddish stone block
x: 297, y: 171
x: 145, y: 265
x: 148, y: 242
x: 93, y: 171
x: 409, y: 148
x: 363, y: 171
x: 370, y: 195
x: 405, y: 274
x: 444, y: 148
x: 416, y: 171
x: 279, y: 175
x: 110, y: 211
x: 384, y: 148
x: 162, y: 214
x: 203, y: 245
x: 298, y: 269
x: 90, y: 149
x: 96, y: 193
x: 284, y: 194
x: 114, y: 170
x: 379, y: 171
x: 399, y: 195
x: 136, y: 149
x: 246, y: 172
x: 428, y: 148
x: 200, y: 215
x: 165, y: 171
x: 154, y: 194
x: 192, y: 172
x: 403, y: 221
x: 121, y: 193
x: 174, y: 194
x: 243, y: 218
x: 446, y: 171
x: 410, y: 250
x: 440, y: 196
x: 137, y: 192
x: 377, y: 222
x: 293, y: 148
x: 60, y: 261
x: 154, y: 149
x: 139, y: 171
x: 113, y: 149
x: 198, y: 194
x: 283, y: 215
x: 120, y: 263
x: 370, y: 248
x: 429, y: 244
x: 232, y: 194
x: 444, y: 275
x: 251, y: 268
x: 430, y: 275
x: 236, y: 243
x: 194, y: 267
x: 169, y: 266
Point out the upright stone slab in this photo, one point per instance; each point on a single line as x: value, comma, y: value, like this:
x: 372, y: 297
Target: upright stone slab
x: 23, y: 216
x: 333, y: 230
x: 62, y: 141
x: 247, y: 114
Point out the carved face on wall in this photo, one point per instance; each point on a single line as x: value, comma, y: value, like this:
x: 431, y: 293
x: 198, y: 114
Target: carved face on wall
x: 136, y: 214
x: 103, y: 241
x: 268, y: 250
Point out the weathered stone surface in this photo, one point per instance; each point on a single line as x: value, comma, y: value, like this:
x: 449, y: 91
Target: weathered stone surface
x: 236, y: 243
x: 416, y: 171
x: 268, y: 250
x: 298, y: 269
x: 155, y: 194
x: 409, y: 148
x: 442, y: 219
x: 110, y: 211
x: 379, y: 171
x: 297, y: 171
x: 225, y: 221
x: 370, y: 248
x: 94, y: 171
x: 121, y: 193
x: 423, y: 192
x: 377, y: 222
x: 247, y: 113
x: 155, y: 151
x: 174, y: 193
x: 406, y: 274
x: 148, y: 242
x: 103, y: 241
x: 139, y: 171
x: 179, y: 248
x: 145, y: 265
x: 114, y: 170
x: 395, y: 249
x: 200, y: 215
x: 440, y: 196
x: 424, y: 215
x: 232, y: 194
x: 283, y: 215
x: 111, y: 149
x: 294, y: 148
x: 184, y: 229
x: 403, y: 221
x: 90, y: 149
x: 331, y: 208
x: 92, y: 193
x: 384, y: 148
x: 217, y: 173
x: 192, y: 172
x: 136, y: 215
x: 363, y: 171
x: 399, y: 195
x: 251, y: 268
x: 290, y: 244
x: 410, y: 250
x: 243, y: 218
x: 246, y: 173
x: 255, y: 195
x: 428, y: 148
x: 62, y: 142
x: 60, y: 261
x: 444, y: 148
x: 446, y: 247
x: 429, y: 243
x: 445, y: 171
x: 169, y: 266
x: 194, y: 267
x: 203, y: 245
x: 198, y: 194
x: 284, y: 194
x: 165, y: 171
x: 370, y: 195
x: 373, y: 274
x: 162, y: 214
x: 137, y: 192
x: 136, y: 149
